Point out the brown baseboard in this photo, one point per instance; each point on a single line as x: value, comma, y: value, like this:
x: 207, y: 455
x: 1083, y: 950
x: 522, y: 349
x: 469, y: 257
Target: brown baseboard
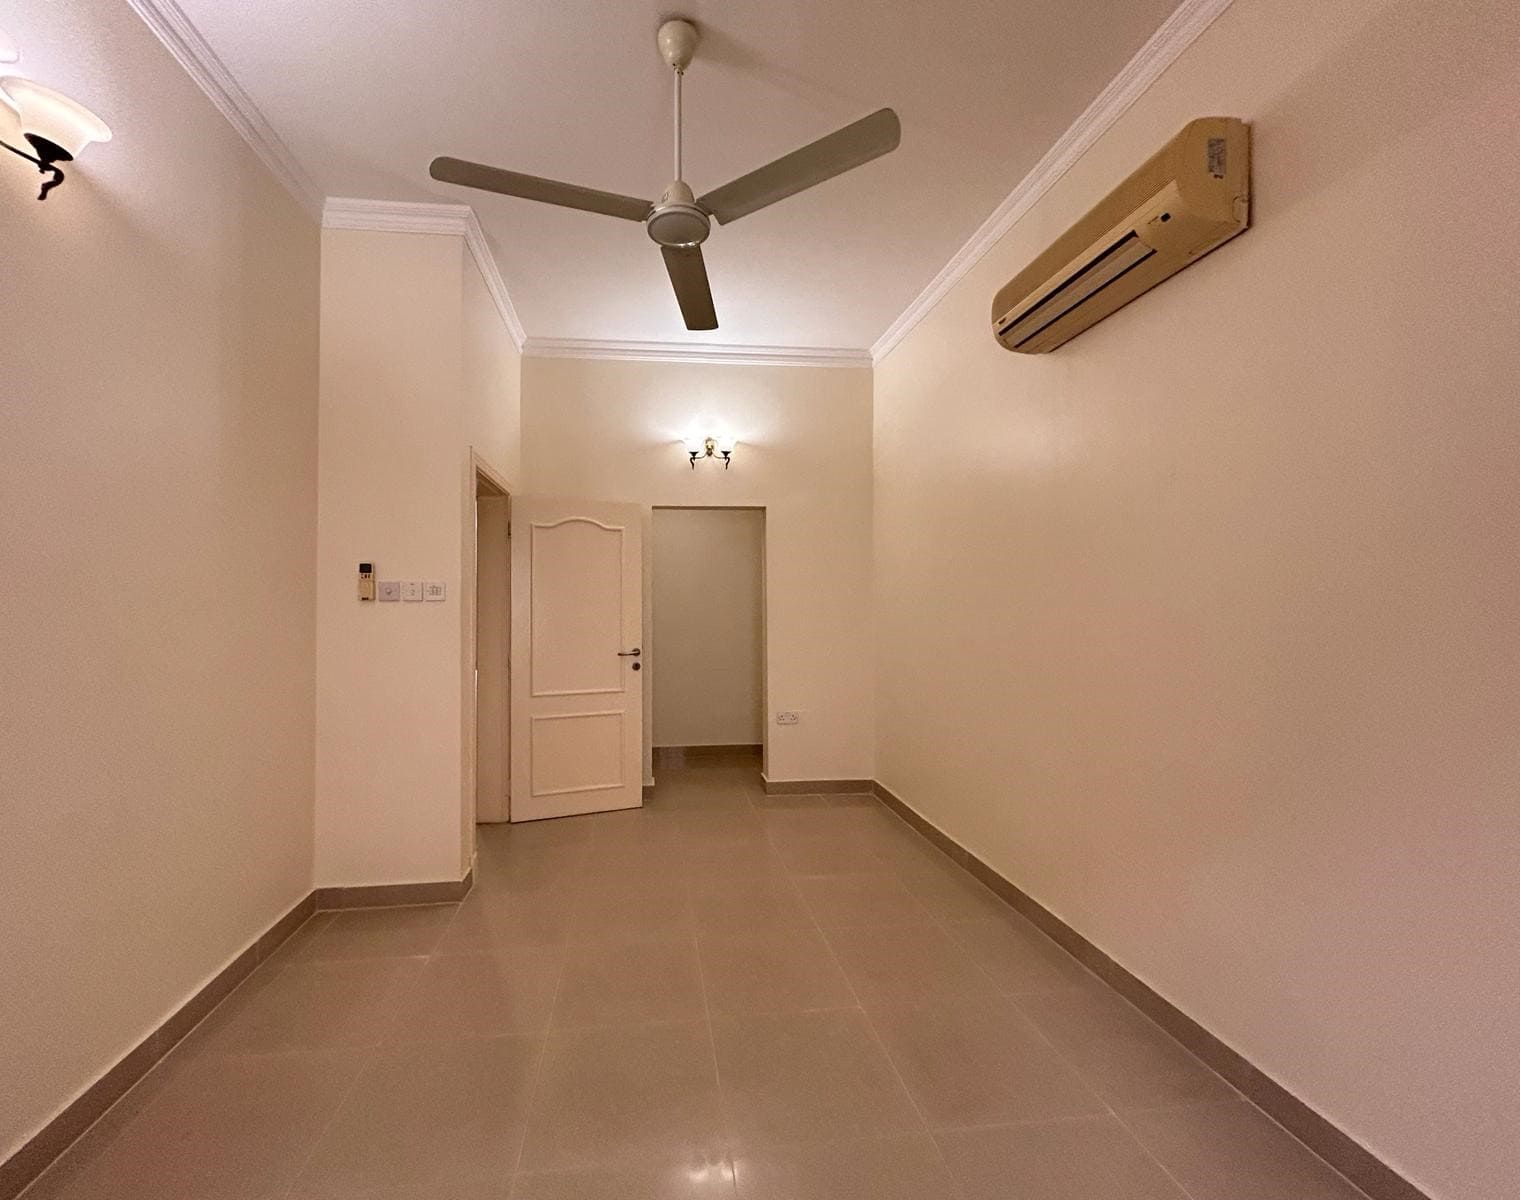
x: 681, y: 756
x: 1338, y: 1148
x: 27, y: 1163
x: 649, y: 791
x: 815, y: 787
x: 388, y: 895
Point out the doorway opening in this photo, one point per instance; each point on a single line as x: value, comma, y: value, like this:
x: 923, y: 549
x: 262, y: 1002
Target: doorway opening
x: 708, y: 632
x: 493, y: 610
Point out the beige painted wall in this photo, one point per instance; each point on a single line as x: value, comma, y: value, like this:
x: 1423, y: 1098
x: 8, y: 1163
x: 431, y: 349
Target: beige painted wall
x: 610, y: 431
x: 158, y: 380
x: 412, y: 379
x: 1204, y: 630
x: 708, y: 626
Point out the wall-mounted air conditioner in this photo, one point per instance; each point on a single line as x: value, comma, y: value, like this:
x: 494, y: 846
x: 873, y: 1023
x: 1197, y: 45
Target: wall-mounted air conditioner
x: 1189, y: 198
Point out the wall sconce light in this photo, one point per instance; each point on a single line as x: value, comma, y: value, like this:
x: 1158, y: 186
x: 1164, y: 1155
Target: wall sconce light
x: 55, y: 127
x: 709, y: 447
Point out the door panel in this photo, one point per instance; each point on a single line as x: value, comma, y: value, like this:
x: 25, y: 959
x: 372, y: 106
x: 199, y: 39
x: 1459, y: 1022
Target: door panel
x: 577, y: 617
x: 577, y: 607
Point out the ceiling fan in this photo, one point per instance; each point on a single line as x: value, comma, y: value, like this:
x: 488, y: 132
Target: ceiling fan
x: 680, y: 221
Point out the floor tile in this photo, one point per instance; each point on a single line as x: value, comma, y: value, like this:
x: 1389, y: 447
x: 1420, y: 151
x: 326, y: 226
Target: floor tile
x: 726, y: 860
x: 725, y: 905
x: 379, y: 933
x: 825, y: 854
x: 876, y: 899
x: 235, y: 1128
x: 1234, y: 1151
x: 783, y: 970
x: 977, y: 1061
x: 630, y: 983
x: 898, y: 1168
x: 891, y: 964
x: 800, y: 1077
x: 478, y: 995
x: 951, y: 893
x: 1017, y: 956
x: 632, y: 1095
x: 653, y: 910
x: 493, y: 924
x: 309, y: 1006
x: 1086, y: 1158
x: 1128, y: 1059
x: 696, y: 1180
x: 429, y: 1113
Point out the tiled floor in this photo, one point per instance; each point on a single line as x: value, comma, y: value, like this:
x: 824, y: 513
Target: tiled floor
x: 719, y: 995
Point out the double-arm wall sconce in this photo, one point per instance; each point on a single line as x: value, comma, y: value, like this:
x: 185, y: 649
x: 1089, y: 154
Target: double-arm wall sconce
x: 709, y: 447
x: 55, y: 127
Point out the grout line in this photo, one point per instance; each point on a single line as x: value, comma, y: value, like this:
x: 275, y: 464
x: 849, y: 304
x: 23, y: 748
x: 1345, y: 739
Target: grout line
x: 885, y: 1053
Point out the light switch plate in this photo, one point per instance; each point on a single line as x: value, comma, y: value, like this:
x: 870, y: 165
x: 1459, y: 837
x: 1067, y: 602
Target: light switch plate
x: 390, y: 589
x: 432, y: 590
x: 411, y: 590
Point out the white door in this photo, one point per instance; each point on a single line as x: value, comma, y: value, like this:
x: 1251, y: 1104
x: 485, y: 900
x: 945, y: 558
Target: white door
x: 577, y: 709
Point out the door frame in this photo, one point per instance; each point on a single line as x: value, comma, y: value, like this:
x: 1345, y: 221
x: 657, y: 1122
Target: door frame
x: 480, y: 475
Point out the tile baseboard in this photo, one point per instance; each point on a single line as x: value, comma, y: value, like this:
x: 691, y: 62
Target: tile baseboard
x: 682, y: 756
x: 36, y: 1155
x: 389, y: 895
x: 815, y: 787
x: 1338, y: 1148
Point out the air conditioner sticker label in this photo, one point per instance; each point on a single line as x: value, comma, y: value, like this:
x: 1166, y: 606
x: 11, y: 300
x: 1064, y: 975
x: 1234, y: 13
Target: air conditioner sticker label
x: 1216, y: 157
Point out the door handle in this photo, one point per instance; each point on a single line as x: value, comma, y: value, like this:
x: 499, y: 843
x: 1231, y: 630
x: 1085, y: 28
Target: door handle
x: 634, y: 653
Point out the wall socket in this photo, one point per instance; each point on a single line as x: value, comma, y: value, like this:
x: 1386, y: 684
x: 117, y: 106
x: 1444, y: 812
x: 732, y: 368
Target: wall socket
x: 788, y: 717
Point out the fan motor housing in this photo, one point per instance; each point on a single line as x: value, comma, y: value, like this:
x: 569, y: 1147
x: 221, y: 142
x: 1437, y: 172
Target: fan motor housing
x: 676, y: 219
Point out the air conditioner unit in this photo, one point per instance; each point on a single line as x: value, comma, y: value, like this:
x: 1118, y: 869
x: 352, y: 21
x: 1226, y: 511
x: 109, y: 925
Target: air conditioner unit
x: 1189, y: 198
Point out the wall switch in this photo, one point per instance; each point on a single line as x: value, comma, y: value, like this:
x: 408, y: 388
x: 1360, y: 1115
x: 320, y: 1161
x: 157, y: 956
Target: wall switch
x: 432, y: 590
x: 411, y: 590
x: 390, y: 589
x: 788, y: 717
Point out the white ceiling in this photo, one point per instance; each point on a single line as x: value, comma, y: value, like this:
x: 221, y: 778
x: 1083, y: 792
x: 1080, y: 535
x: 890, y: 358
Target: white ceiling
x: 366, y: 92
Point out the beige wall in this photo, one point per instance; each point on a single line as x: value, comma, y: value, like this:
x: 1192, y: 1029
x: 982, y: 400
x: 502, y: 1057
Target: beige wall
x: 158, y: 378
x: 708, y: 639
x: 610, y: 430
x: 412, y: 379
x: 1204, y: 630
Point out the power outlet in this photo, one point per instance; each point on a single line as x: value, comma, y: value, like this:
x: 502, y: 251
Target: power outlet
x: 788, y: 717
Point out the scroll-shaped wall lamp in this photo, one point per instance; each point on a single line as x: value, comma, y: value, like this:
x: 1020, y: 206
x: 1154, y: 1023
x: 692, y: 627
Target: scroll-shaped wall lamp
x: 709, y: 447
x: 55, y: 127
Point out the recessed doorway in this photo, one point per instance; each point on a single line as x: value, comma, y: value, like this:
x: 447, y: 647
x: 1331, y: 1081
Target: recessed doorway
x: 708, y: 627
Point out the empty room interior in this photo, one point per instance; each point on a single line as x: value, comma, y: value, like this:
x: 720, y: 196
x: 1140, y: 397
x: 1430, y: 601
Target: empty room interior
x: 975, y: 656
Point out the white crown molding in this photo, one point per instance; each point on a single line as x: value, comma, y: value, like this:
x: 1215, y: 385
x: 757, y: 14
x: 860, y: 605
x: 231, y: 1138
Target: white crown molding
x: 696, y: 352
x: 181, y: 38
x: 1165, y: 46
x: 456, y: 220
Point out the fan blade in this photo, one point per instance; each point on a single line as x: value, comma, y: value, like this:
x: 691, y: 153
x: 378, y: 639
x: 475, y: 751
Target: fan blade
x: 531, y: 187
x: 688, y: 275
x: 844, y: 149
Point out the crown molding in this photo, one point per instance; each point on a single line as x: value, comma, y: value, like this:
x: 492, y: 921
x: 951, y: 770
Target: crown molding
x: 455, y: 220
x: 698, y: 352
x: 1176, y: 34
x: 181, y: 38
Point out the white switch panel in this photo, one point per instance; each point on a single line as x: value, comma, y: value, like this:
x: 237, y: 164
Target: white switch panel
x: 411, y: 590
x: 432, y: 590
x: 390, y: 589
x: 788, y: 717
